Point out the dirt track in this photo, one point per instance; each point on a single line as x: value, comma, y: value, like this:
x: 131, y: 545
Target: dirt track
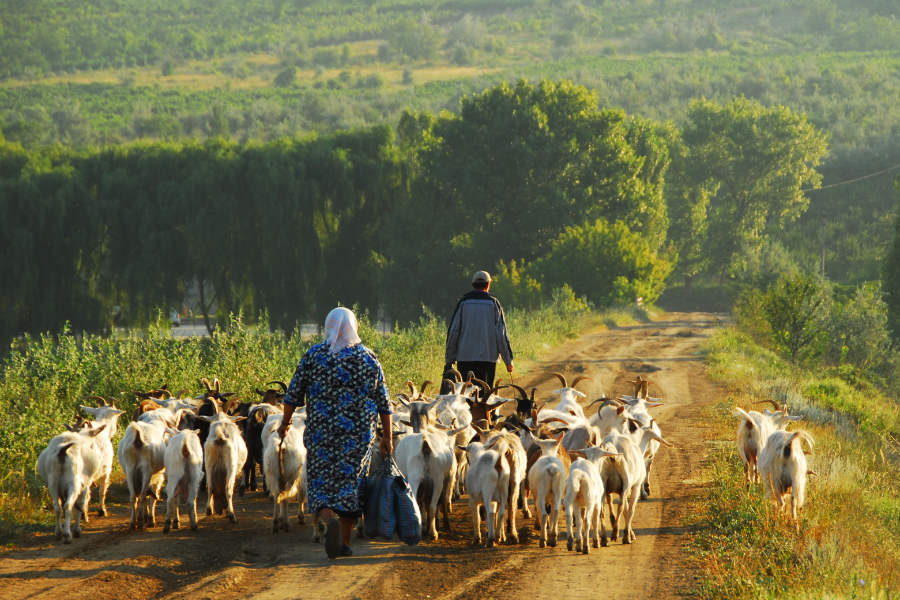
x: 244, y: 560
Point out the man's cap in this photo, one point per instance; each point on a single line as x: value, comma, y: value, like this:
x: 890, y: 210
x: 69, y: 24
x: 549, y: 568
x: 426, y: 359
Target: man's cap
x: 481, y: 277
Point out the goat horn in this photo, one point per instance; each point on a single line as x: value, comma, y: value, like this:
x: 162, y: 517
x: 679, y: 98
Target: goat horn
x: 450, y: 382
x: 259, y: 391
x: 101, y: 401
x: 600, y: 399
x: 457, y: 375
x: 466, y: 385
x: 284, y: 387
x: 470, y: 375
x: 770, y: 401
x: 424, y: 386
x: 579, y: 379
x: 205, y: 382
x: 561, y: 377
x: 521, y: 391
x: 412, y: 387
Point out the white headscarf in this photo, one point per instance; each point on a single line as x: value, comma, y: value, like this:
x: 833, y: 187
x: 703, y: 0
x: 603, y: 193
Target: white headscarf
x: 341, y: 329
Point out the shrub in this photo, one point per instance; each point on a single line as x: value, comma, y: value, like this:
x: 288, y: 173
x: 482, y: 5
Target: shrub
x: 859, y: 331
x: 286, y: 77
x: 795, y: 308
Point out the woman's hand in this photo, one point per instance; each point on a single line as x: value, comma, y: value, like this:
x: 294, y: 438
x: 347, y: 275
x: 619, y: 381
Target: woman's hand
x: 387, y: 445
x: 283, y: 428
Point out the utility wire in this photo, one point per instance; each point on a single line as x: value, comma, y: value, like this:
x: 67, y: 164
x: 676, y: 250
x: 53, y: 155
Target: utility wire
x: 854, y: 180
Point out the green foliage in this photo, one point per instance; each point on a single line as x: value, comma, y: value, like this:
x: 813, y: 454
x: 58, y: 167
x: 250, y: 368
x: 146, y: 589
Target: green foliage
x: 286, y: 77
x: 796, y: 307
x: 607, y: 263
x: 760, y: 160
x: 892, y: 280
x: 859, y: 332
x: 415, y: 39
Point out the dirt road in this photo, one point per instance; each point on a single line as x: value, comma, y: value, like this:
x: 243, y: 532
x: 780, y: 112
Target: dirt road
x: 244, y: 560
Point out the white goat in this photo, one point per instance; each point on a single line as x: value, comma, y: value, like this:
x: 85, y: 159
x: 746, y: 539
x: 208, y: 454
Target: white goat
x: 752, y: 434
x: 547, y: 481
x: 284, y: 468
x: 583, y: 503
x: 141, y: 453
x: 69, y: 464
x: 513, y: 453
x: 487, y: 481
x: 224, y: 455
x: 428, y: 461
x: 108, y: 415
x: 783, y: 468
x: 621, y: 475
x: 183, y: 460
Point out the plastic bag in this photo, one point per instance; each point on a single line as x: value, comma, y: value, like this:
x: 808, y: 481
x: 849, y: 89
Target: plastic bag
x: 406, y: 510
x: 379, y: 501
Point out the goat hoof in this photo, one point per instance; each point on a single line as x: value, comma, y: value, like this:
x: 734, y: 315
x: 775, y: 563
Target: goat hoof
x: 166, y: 526
x: 577, y: 546
x: 552, y: 541
x: 67, y: 540
x: 300, y: 519
x: 604, y: 543
x: 569, y: 545
x: 77, y: 533
x: 193, y: 527
x: 596, y: 543
x: 274, y: 527
x: 102, y: 512
x: 586, y: 549
x: 625, y: 539
x: 541, y: 544
x: 176, y: 524
x: 232, y: 518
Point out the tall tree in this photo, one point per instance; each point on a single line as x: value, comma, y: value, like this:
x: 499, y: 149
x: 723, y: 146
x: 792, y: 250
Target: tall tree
x: 892, y: 278
x: 758, y: 160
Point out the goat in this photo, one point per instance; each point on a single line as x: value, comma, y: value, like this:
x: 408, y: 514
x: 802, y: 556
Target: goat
x: 224, y: 456
x: 105, y: 414
x: 141, y: 453
x: 514, y: 455
x: 752, y: 434
x: 428, y: 462
x: 69, y: 464
x: 183, y: 459
x: 284, y: 468
x: 252, y: 429
x: 487, y: 481
x: 568, y: 395
x: 621, y: 475
x: 547, y: 480
x: 583, y: 503
x: 783, y: 468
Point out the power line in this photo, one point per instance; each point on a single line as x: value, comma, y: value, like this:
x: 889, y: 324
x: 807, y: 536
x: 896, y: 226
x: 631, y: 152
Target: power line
x: 854, y: 180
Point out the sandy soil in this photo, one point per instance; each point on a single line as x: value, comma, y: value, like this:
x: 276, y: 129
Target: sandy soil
x: 245, y: 560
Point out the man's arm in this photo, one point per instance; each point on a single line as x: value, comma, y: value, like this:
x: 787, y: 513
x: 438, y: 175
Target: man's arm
x: 453, y: 336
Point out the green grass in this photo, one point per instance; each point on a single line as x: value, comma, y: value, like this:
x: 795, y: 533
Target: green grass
x: 849, y: 543
x: 44, y: 379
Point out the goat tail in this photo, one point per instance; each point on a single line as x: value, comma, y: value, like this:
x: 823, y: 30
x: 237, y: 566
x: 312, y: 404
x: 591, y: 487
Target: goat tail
x: 185, y: 450
x: 63, y: 451
x: 426, y: 449
x: 748, y: 421
x: 803, y: 437
x: 281, y: 478
x: 138, y: 442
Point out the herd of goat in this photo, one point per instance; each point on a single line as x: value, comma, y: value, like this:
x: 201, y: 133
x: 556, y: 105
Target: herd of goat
x: 447, y: 445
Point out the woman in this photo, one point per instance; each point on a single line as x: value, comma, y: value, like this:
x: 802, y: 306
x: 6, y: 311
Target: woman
x: 343, y: 384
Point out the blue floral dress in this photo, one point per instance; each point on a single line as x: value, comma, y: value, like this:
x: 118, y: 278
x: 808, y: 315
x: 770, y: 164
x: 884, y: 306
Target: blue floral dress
x: 344, y: 394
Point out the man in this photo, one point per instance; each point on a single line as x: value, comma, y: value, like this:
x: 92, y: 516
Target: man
x: 477, y: 333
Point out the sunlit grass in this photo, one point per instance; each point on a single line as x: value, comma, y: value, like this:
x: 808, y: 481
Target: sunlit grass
x: 849, y: 543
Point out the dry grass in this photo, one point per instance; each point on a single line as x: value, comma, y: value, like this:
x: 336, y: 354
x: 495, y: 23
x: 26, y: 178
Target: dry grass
x: 849, y: 543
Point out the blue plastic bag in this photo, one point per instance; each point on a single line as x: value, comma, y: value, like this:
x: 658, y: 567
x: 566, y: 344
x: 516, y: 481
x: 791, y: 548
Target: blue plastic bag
x: 406, y: 510
x: 379, y: 502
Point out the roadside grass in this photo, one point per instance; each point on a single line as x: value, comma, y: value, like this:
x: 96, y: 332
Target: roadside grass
x: 43, y: 380
x: 849, y: 540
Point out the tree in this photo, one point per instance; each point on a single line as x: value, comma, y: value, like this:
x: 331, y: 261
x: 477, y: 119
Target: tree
x: 758, y: 160
x: 607, y: 263
x: 796, y: 307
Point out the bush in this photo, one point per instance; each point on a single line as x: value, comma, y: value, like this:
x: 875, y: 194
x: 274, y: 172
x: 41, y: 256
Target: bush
x: 796, y: 308
x: 286, y: 77
x: 859, y: 332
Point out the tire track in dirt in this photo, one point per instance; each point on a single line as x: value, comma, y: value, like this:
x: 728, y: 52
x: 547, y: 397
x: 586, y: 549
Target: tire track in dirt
x: 244, y: 560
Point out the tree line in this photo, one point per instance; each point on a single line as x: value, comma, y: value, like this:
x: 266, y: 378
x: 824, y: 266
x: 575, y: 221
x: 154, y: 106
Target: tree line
x: 532, y: 180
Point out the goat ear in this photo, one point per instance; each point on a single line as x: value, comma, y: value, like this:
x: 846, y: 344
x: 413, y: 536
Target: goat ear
x: 577, y: 454
x: 93, y: 432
